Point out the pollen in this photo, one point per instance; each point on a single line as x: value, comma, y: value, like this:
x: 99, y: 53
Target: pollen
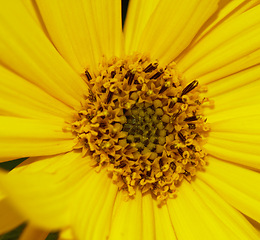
x: 144, y: 124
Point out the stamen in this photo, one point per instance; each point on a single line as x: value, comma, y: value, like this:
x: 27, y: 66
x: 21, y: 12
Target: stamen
x: 190, y: 87
x: 88, y: 75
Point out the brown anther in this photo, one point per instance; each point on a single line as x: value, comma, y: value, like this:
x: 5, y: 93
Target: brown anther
x: 190, y: 87
x: 109, y: 97
x: 191, y: 119
x: 88, y: 75
x: 183, y: 139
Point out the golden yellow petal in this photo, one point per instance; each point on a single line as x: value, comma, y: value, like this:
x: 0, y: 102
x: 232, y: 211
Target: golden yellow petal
x: 231, y: 41
x: 42, y: 191
x: 26, y: 50
x: 237, y: 185
x: 127, y: 218
x: 33, y: 233
x: 230, y: 217
x: 164, y: 227
x: 93, y: 206
x: 138, y: 14
x: 242, y: 153
x: 241, y: 79
x: 172, y: 26
x: 191, y: 218
x: 148, y: 218
x: 9, y: 218
x: 226, y: 10
x: 29, y: 137
x: 20, y: 98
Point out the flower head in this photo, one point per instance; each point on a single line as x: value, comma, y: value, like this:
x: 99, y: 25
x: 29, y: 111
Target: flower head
x: 150, y: 132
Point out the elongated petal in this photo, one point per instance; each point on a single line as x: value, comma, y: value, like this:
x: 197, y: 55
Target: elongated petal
x: 247, y: 81
x: 164, y: 227
x: 42, y: 192
x: 127, y: 218
x: 83, y: 31
x: 233, y: 41
x: 9, y: 218
x: 20, y: 98
x: 138, y: 14
x: 26, y: 50
x: 93, y: 206
x: 237, y: 185
x: 28, y: 137
x: 226, y: 11
x: 232, y: 219
x: 172, y: 27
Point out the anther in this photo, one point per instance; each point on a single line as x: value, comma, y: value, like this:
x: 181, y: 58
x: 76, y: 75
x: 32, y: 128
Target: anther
x: 191, y: 119
x: 88, y: 75
x: 151, y: 67
x: 183, y: 139
x: 156, y: 75
x: 109, y: 96
x: 113, y: 73
x: 189, y: 87
x: 131, y: 78
x: 180, y: 151
x: 164, y: 87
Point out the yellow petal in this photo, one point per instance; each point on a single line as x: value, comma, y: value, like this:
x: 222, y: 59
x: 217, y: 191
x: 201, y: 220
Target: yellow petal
x: 243, y: 153
x: 138, y: 14
x: 232, y: 41
x: 127, y: 218
x: 43, y: 193
x: 148, y: 218
x: 9, y: 218
x: 172, y: 27
x: 83, y: 30
x: 226, y: 11
x: 191, y: 218
x: 164, y: 227
x: 66, y: 234
x: 240, y: 80
x: 93, y: 206
x: 20, y: 98
x: 32, y: 233
x: 230, y: 217
x: 28, y: 137
x: 26, y: 50
x: 235, y: 184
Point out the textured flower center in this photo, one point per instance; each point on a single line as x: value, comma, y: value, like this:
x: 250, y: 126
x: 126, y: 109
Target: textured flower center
x: 143, y: 124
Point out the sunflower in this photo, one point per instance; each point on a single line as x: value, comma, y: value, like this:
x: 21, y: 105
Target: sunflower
x: 147, y: 133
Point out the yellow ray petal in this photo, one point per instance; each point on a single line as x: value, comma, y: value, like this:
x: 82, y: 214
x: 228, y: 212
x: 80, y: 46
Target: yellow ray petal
x: 191, y: 217
x: 243, y: 96
x: 231, y: 41
x: 26, y: 50
x: 93, y: 207
x: 28, y: 137
x: 226, y: 11
x: 164, y: 228
x: 244, y: 125
x: 32, y: 233
x: 148, y: 218
x: 20, y: 98
x: 9, y: 218
x: 172, y: 27
x: 232, y: 219
x: 66, y: 235
x: 42, y: 192
x: 237, y: 187
x: 84, y: 30
x: 138, y: 14
x: 251, y: 110
x: 235, y: 81
x: 243, y: 153
x: 127, y: 218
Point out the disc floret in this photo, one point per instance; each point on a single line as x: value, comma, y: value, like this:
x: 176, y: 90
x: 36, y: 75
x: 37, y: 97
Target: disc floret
x: 142, y: 123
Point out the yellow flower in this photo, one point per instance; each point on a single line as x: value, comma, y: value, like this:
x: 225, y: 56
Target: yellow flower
x: 55, y: 56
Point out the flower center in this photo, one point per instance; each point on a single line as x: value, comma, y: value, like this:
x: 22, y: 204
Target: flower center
x: 143, y: 124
